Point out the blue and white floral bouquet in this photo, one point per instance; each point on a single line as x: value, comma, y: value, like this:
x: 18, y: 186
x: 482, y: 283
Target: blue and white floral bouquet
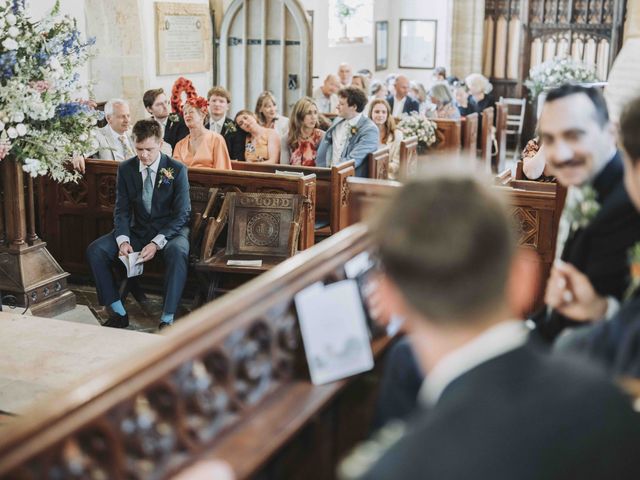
x: 43, y: 120
x: 557, y: 71
x: 418, y: 125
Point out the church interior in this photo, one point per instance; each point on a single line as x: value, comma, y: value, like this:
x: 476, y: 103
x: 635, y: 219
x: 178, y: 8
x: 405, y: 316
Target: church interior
x: 320, y: 239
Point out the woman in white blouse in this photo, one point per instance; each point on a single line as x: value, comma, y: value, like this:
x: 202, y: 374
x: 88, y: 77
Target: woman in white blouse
x: 380, y: 113
x: 267, y: 114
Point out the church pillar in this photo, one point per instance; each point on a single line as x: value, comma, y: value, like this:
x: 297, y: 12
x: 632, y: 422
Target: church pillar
x: 466, y: 47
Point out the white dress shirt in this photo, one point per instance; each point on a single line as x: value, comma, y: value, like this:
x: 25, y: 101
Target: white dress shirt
x: 341, y: 135
x: 491, y: 343
x: 216, y: 125
x: 398, y: 106
x: 159, y: 239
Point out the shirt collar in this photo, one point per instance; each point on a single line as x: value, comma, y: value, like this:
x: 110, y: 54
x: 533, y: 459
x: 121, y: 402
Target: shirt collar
x: 115, y: 134
x: 154, y: 166
x: 354, y: 121
x: 493, y: 342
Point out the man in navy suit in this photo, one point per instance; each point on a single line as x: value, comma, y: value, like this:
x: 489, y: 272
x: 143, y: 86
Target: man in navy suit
x: 151, y: 216
x: 401, y: 102
x: 352, y: 136
x: 156, y: 103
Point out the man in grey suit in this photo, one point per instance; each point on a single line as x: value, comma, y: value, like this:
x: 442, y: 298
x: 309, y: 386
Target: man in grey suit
x: 114, y: 139
x: 352, y: 136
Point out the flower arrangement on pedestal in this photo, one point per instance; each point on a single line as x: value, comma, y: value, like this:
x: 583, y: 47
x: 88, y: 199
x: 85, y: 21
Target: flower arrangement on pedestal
x: 416, y: 125
x: 557, y: 71
x: 43, y: 121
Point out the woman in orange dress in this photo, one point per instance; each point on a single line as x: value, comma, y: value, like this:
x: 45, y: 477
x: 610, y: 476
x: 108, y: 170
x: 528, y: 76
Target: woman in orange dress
x: 202, y: 147
x: 300, y: 146
x: 262, y: 144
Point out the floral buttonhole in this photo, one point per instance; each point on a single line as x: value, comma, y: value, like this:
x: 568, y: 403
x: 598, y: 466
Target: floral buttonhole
x: 353, y: 130
x: 166, y: 176
x: 231, y: 127
x: 174, y: 117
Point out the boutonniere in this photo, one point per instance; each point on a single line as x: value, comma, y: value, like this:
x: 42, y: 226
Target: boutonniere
x: 634, y: 265
x: 231, y: 127
x: 166, y: 176
x: 353, y: 130
x: 174, y: 117
x: 584, y: 209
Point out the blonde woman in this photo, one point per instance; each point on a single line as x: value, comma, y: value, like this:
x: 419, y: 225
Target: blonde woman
x: 267, y: 114
x: 380, y: 113
x: 480, y: 89
x: 261, y: 144
x: 300, y: 146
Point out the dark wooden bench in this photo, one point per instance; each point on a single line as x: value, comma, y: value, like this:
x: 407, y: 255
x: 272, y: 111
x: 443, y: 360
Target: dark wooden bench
x: 449, y: 135
x: 331, y: 187
x: 379, y: 163
x: 73, y: 215
x: 230, y: 382
x: 469, y: 127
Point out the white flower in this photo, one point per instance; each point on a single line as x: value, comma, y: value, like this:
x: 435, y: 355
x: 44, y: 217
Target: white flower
x: 1, y: 126
x: 2, y: 23
x: 12, y: 132
x: 21, y: 128
x: 17, y: 117
x: 13, y: 32
x: 10, y: 44
x: 11, y: 19
x: 55, y: 64
x: 82, y: 137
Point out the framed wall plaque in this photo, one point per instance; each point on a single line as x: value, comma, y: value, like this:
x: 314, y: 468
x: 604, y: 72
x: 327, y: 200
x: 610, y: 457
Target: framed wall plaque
x: 417, y: 44
x: 382, y: 45
x: 183, y: 38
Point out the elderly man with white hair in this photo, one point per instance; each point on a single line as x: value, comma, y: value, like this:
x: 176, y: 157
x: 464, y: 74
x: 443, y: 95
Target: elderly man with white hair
x: 114, y: 139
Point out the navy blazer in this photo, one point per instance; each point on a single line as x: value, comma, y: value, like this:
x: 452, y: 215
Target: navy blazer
x: 170, y: 204
x: 234, y: 138
x: 410, y: 105
x: 600, y: 250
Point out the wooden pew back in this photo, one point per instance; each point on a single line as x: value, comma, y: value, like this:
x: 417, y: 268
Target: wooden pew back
x: 379, y: 164
x: 469, y: 126
x: 73, y: 215
x: 486, y: 143
x: 408, y: 157
x: 224, y: 377
x: 449, y: 133
x: 501, y: 137
x: 331, y: 188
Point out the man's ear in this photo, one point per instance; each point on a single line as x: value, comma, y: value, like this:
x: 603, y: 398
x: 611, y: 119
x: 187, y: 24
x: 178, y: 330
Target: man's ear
x: 523, y: 284
x: 148, y: 109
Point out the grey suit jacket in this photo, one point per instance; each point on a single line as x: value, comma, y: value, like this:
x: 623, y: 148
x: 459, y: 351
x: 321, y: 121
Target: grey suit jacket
x: 107, y: 144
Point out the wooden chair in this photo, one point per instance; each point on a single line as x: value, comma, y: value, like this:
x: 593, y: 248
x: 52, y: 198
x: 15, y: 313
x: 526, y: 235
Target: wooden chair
x: 516, y: 109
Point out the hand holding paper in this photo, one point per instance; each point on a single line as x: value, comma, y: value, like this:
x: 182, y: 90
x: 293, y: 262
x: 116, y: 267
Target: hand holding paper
x: 133, y: 264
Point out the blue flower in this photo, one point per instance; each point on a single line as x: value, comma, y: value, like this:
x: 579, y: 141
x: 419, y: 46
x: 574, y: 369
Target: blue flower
x: 70, y: 109
x: 18, y: 6
x: 7, y: 63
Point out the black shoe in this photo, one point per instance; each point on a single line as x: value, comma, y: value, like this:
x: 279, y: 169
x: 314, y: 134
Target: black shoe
x: 164, y: 325
x: 117, y: 321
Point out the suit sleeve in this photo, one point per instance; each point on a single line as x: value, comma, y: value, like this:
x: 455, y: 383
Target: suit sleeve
x: 180, y: 207
x: 321, y: 157
x: 366, y: 145
x: 122, y: 210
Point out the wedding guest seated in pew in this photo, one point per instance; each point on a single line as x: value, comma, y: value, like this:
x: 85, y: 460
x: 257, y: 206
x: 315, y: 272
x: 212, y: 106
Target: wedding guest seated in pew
x: 352, y: 136
x: 151, y: 217
x: 267, y: 114
x: 400, y: 102
x: 493, y: 404
x: 380, y: 114
x: 202, y: 147
x: 300, y: 145
x: 480, y: 92
x: 598, y: 224
x: 261, y: 144
x: 615, y: 343
x: 325, y: 95
x: 443, y: 103
x: 419, y: 93
x: 378, y: 90
x: 345, y: 73
x: 461, y: 95
x: 361, y: 82
x: 174, y: 129
x: 220, y: 122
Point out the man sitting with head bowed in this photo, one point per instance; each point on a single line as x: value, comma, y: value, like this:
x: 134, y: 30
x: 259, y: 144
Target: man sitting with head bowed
x: 493, y: 405
x: 352, y: 136
x: 151, y: 216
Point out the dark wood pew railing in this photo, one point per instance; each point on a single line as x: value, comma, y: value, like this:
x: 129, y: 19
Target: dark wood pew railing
x: 469, y: 126
x: 449, y: 133
x: 501, y: 137
x: 408, y: 157
x: 229, y: 382
x: 486, y: 143
x: 331, y: 188
x: 379, y: 163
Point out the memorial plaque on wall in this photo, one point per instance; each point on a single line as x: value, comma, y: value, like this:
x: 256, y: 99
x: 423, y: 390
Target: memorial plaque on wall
x: 183, y: 38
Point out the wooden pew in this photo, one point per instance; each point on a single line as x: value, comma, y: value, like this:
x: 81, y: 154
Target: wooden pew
x: 469, y: 126
x: 331, y: 188
x: 379, y: 163
x: 486, y: 136
x: 501, y: 137
x: 449, y: 134
x: 73, y: 215
x: 229, y: 381
x: 408, y: 157
x: 534, y: 207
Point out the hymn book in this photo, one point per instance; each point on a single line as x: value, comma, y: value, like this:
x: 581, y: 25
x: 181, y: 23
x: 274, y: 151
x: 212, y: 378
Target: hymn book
x: 133, y: 263
x: 334, y: 331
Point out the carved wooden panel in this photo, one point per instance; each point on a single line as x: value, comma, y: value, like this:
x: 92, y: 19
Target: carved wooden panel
x: 74, y: 194
x: 107, y: 190
x: 527, y: 223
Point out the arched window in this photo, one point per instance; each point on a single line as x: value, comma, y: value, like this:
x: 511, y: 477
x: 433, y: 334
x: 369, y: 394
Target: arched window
x: 350, y: 21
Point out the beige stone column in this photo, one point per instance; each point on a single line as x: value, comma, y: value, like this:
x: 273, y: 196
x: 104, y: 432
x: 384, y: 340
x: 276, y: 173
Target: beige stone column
x: 467, y: 37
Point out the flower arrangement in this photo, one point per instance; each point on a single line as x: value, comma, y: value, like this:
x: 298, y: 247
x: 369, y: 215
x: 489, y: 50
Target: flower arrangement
x: 166, y: 176
x: 43, y: 121
x: 419, y: 126
x: 557, y: 71
x: 180, y: 86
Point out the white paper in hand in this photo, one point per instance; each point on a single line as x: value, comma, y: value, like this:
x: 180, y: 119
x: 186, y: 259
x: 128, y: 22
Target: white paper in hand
x: 133, y: 263
x: 334, y: 331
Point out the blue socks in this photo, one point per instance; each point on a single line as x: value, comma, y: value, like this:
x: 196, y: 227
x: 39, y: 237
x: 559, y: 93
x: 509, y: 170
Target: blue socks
x: 118, y: 308
x: 167, y: 318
